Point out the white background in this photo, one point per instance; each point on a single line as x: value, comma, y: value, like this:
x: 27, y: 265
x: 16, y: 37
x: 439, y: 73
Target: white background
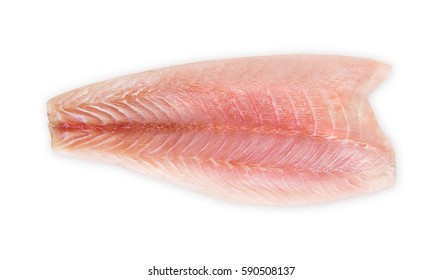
x: 64, y: 218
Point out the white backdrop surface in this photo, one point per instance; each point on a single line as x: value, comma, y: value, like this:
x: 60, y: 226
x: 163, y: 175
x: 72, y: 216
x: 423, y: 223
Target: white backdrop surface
x: 65, y: 218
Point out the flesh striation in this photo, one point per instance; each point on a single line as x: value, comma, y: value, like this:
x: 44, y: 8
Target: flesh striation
x: 283, y: 130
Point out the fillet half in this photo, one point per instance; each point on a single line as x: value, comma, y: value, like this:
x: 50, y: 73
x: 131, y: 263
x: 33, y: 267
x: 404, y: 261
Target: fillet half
x: 283, y: 130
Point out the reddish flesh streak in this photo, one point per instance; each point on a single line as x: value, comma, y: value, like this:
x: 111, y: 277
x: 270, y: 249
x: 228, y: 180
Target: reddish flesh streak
x: 124, y: 127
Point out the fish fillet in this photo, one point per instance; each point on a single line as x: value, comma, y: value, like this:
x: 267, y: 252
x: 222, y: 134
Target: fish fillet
x: 281, y: 130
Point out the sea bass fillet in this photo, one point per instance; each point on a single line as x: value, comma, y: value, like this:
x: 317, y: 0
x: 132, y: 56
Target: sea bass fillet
x: 281, y: 130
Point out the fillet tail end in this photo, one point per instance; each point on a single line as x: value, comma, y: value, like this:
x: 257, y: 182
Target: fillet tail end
x: 380, y: 73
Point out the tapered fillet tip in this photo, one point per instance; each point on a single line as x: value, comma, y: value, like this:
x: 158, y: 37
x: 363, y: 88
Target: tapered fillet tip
x: 379, y: 75
x: 57, y: 127
x: 51, y: 121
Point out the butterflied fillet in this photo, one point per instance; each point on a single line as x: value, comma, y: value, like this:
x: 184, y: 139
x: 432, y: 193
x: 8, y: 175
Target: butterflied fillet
x: 281, y: 130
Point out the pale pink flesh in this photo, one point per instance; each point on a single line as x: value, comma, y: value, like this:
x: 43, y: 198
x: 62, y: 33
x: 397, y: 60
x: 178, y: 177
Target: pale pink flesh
x: 278, y: 130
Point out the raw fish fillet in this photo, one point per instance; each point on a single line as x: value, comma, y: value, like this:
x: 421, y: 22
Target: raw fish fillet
x: 281, y: 130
